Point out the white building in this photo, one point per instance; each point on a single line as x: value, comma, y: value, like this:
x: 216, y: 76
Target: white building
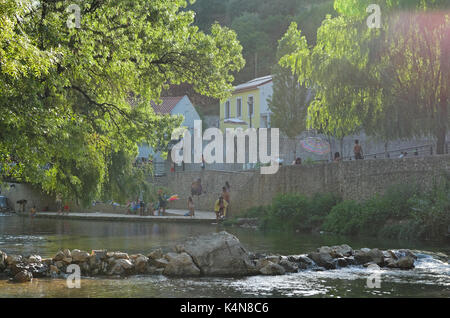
x: 180, y: 105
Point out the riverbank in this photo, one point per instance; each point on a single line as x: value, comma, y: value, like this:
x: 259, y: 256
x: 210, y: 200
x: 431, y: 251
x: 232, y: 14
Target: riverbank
x: 404, y: 212
x: 211, y: 255
x: 175, y: 216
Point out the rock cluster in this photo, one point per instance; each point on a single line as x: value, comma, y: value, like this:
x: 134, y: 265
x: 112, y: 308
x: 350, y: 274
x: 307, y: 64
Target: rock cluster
x: 216, y: 254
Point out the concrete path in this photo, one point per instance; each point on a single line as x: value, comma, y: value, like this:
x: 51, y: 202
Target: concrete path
x: 175, y: 216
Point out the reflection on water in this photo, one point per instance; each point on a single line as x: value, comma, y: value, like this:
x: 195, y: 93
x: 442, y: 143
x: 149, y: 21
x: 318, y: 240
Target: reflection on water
x: 430, y: 278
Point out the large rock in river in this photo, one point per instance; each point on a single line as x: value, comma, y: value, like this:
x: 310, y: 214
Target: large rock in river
x: 180, y: 265
x: 219, y: 254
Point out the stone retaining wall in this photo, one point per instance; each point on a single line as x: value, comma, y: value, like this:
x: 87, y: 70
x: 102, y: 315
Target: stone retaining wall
x: 350, y: 179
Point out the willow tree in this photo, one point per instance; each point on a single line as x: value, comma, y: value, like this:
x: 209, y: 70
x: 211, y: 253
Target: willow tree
x: 72, y: 96
x: 392, y: 81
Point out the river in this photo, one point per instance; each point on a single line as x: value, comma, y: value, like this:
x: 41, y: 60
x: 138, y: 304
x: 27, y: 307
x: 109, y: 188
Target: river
x: 22, y: 235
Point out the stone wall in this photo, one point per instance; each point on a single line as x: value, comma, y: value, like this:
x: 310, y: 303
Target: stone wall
x: 349, y: 179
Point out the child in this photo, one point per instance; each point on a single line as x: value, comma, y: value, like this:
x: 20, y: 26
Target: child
x: 66, y: 208
x: 33, y: 211
x: 220, y: 208
x: 191, y: 207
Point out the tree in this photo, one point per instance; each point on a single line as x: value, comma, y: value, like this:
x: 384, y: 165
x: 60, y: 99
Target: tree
x: 392, y: 82
x: 72, y: 98
x: 290, y: 99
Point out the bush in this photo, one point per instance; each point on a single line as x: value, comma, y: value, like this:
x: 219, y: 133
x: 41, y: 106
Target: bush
x: 344, y: 218
x: 402, y: 212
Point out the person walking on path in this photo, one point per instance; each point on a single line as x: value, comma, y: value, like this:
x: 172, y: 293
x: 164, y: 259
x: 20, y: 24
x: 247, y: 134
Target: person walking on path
x: 191, y: 207
x: 357, y: 150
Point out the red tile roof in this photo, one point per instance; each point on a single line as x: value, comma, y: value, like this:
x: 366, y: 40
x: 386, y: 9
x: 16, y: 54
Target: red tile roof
x: 167, y: 105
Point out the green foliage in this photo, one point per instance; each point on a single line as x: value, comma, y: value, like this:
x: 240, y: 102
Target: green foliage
x: 73, y: 100
x: 402, y: 212
x: 392, y: 82
x: 259, y: 25
x: 294, y: 211
x: 289, y: 101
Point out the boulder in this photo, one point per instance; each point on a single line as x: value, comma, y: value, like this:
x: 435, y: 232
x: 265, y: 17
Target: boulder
x: 272, y: 269
x: 323, y: 260
x: 158, y: 263
x: 289, y: 267
x: 141, y: 264
x: 3, y: 258
x: 34, y: 259
x: 67, y: 252
x: 260, y: 263
x: 366, y: 255
x: 341, y: 251
x: 121, y: 266
x: 376, y: 256
x: 79, y: 256
x: 405, y: 262
x: 13, y: 259
x: 99, y: 254
x: 342, y: 262
x: 23, y: 276
x: 181, y: 265
x: 302, y: 261
x: 96, y: 258
x: 59, y: 256
x: 120, y: 255
x: 219, y: 254
x: 156, y: 254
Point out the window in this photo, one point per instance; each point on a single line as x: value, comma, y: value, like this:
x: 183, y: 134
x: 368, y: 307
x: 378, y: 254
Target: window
x: 250, y: 106
x: 239, y: 107
x: 227, y: 109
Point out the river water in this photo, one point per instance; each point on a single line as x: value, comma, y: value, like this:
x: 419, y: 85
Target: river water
x: 22, y: 235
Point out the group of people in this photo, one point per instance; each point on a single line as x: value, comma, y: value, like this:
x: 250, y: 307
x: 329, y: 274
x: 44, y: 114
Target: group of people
x: 148, y: 209
x: 139, y: 206
x: 59, y: 205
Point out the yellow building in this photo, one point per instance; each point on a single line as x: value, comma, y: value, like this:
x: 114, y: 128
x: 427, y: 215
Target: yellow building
x: 248, y: 105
